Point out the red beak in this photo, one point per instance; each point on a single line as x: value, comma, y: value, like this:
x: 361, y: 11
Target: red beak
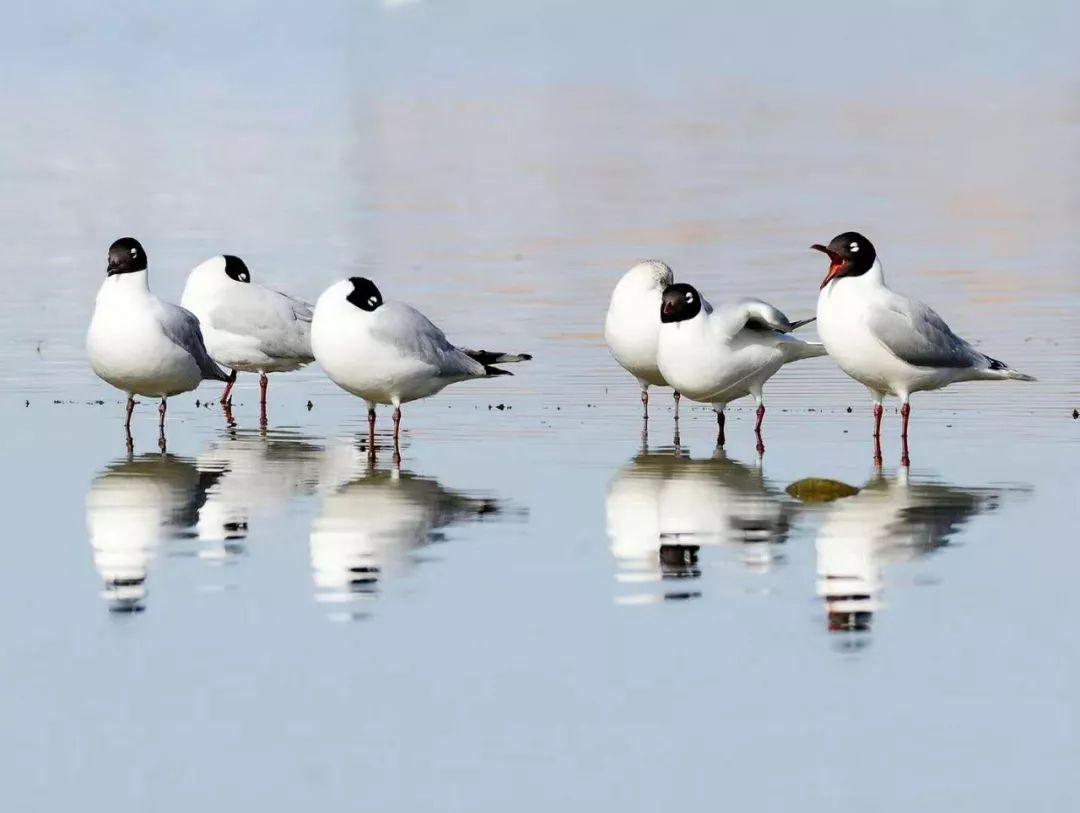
x: 837, y: 264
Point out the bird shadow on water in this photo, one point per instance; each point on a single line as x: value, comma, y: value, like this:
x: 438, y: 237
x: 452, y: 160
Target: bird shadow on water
x: 865, y: 531
x: 372, y: 520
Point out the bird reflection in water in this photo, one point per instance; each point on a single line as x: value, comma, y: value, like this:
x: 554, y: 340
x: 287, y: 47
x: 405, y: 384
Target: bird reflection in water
x: 373, y: 524
x: 663, y: 506
x: 888, y: 521
x: 134, y: 504
x: 260, y: 471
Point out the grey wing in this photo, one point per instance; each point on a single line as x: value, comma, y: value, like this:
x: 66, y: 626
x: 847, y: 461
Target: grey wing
x: 914, y: 333
x: 279, y: 323
x: 412, y: 333
x: 754, y: 313
x: 182, y: 328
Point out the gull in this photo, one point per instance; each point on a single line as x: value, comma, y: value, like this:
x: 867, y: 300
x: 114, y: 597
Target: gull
x: 140, y: 344
x: 247, y: 327
x: 889, y: 343
x: 632, y: 325
x: 389, y: 352
x: 715, y: 355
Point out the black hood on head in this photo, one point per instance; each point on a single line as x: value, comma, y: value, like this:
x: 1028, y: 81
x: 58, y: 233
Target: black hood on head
x: 364, y: 294
x: 126, y: 255
x: 850, y: 255
x: 236, y: 269
x: 679, y: 303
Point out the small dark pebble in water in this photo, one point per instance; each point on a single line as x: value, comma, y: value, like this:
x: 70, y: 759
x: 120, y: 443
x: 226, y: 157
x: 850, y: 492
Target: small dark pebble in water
x: 28, y: 403
x: 849, y: 410
x: 310, y: 406
x: 58, y: 402
x: 1076, y: 412
x: 500, y: 407
x: 948, y: 426
x: 198, y: 403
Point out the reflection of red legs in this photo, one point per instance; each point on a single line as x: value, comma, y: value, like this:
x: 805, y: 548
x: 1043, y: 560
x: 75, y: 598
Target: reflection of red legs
x: 879, y: 410
x: 228, y: 387
x: 720, y: 440
x: 645, y: 402
x: 677, y: 397
x: 905, y: 411
x: 130, y: 409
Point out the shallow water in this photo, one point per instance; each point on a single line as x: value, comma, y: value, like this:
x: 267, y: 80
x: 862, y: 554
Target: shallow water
x: 542, y: 605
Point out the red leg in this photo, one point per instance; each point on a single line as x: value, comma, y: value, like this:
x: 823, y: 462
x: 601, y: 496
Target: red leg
x: 263, y: 381
x: 130, y: 409
x: 905, y: 411
x: 879, y: 410
x: 760, y: 418
x: 720, y: 420
x: 161, y: 416
x: 371, y: 433
x: 677, y: 397
x: 228, y: 387
x: 645, y: 402
x: 397, y: 429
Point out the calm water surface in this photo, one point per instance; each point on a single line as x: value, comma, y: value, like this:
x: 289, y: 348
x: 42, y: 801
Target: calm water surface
x: 543, y: 604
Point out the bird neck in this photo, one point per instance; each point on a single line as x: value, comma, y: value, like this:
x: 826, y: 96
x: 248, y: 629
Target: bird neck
x: 125, y: 286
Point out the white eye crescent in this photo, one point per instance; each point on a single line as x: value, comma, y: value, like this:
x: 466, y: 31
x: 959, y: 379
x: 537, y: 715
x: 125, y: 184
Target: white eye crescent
x: 134, y: 251
x: 854, y: 246
x: 372, y: 300
x: 689, y: 297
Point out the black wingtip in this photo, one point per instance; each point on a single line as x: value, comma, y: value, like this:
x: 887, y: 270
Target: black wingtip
x: 997, y: 365
x: 494, y: 371
x: 802, y: 322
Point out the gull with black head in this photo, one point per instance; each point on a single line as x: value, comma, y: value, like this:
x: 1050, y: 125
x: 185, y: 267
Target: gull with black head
x: 247, y: 327
x: 389, y: 352
x: 716, y: 355
x: 140, y: 344
x: 891, y: 344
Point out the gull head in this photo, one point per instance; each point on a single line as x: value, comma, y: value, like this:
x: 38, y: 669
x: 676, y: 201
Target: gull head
x: 679, y: 303
x: 126, y: 256
x: 850, y: 255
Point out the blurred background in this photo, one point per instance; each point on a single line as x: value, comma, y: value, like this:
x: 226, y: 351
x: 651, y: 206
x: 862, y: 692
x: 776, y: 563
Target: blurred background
x: 499, y: 165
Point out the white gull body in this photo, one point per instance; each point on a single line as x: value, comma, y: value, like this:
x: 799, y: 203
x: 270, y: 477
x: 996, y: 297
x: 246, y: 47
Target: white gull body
x: 144, y: 346
x: 391, y: 354
x: 632, y: 325
x: 894, y: 345
x: 247, y: 326
x: 728, y: 352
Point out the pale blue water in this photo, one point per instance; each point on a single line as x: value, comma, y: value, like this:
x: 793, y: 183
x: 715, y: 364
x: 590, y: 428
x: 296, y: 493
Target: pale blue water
x: 534, y: 611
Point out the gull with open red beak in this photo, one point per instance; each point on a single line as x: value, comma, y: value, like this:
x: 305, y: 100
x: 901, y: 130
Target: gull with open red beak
x: 891, y: 344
